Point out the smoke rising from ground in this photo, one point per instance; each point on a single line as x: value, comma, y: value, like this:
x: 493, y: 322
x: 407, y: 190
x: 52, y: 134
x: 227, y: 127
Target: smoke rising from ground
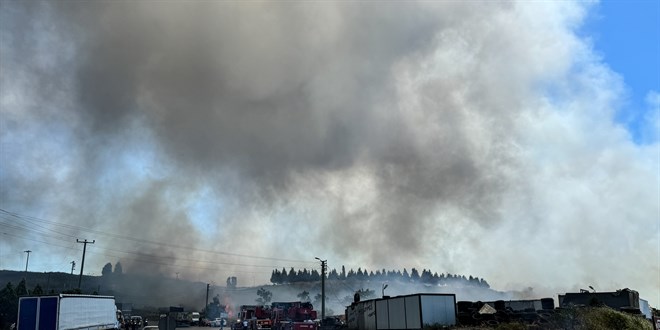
x: 471, y: 137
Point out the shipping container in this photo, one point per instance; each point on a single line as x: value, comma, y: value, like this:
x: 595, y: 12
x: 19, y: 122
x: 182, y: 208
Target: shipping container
x: 403, y: 312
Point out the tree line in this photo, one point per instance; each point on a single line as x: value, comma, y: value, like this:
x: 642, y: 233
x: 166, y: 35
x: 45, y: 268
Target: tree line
x: 425, y: 277
x: 9, y: 300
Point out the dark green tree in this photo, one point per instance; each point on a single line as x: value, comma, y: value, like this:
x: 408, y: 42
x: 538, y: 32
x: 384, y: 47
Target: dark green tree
x: 292, y: 276
x: 107, y: 270
x: 303, y: 296
x: 283, y: 276
x: 37, y: 290
x: 317, y: 300
x: 307, y: 275
x: 118, y: 268
x: 231, y: 282
x: 8, y: 306
x: 404, y: 276
x: 264, y: 296
x: 414, y: 275
x: 273, y: 277
x: 21, y: 290
x: 315, y: 277
x: 300, y: 276
x: 366, y: 294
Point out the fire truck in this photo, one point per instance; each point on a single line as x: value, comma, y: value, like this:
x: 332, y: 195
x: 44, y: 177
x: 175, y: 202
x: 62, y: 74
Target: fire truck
x: 257, y: 317
x: 293, y: 316
x: 280, y: 316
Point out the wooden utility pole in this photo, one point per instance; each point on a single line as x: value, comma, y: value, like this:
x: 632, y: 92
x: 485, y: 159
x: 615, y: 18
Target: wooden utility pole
x: 206, y: 307
x: 28, y: 259
x: 324, y: 266
x: 82, y: 264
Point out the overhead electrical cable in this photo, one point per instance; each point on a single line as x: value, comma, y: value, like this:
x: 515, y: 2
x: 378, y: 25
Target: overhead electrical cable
x: 140, y: 240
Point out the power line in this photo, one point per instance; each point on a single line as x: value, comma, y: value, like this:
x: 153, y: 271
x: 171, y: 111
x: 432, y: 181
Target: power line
x: 28, y: 218
x: 142, y: 257
x: 150, y: 260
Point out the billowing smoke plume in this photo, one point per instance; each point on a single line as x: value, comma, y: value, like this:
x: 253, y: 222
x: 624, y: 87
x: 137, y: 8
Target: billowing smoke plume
x: 473, y: 138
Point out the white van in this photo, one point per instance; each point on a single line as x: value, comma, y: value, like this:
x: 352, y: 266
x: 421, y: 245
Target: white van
x: 194, y: 318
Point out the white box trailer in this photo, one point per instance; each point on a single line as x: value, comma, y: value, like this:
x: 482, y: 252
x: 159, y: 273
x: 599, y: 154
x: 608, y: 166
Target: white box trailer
x: 403, y: 312
x: 67, y: 312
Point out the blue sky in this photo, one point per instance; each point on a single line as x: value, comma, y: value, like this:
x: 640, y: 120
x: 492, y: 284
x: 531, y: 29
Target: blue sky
x: 627, y: 35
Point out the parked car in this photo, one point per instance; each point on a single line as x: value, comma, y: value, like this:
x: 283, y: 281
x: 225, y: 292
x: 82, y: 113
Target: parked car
x: 137, y: 321
x: 217, y: 322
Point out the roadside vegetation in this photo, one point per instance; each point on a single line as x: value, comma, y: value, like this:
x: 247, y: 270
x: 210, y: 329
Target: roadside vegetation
x: 581, y: 318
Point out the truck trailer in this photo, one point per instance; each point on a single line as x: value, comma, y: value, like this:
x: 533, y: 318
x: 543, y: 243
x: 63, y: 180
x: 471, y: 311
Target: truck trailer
x: 67, y: 312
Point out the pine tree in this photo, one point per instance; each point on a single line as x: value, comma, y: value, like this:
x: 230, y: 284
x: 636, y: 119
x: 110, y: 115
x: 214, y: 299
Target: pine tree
x: 264, y: 296
x: 414, y: 275
x: 37, y: 290
x: 21, y: 290
x: 8, y: 303
x: 107, y: 270
x: 315, y: 277
x: 292, y: 276
x: 273, y: 276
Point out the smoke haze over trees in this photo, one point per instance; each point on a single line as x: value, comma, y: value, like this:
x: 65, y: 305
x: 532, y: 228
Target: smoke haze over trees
x: 427, y: 277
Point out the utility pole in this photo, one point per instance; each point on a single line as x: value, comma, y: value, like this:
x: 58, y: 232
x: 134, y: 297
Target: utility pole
x: 28, y: 260
x: 324, y: 266
x: 82, y: 265
x: 73, y: 266
x: 206, y: 307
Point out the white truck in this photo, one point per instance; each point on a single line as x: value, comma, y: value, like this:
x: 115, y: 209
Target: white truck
x: 67, y: 312
x: 194, y: 319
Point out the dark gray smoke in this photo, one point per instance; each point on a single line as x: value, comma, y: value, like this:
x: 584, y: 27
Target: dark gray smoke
x: 389, y: 134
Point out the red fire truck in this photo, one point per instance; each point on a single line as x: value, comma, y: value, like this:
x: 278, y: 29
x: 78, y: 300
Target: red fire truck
x: 293, y: 316
x: 280, y: 316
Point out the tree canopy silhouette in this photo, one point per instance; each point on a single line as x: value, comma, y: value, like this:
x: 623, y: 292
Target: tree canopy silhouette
x: 426, y: 277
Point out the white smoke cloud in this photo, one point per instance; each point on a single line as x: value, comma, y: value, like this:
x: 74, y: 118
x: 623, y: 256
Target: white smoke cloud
x: 474, y: 138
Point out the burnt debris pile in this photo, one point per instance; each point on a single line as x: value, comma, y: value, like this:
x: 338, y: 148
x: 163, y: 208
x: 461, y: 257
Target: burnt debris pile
x: 480, y: 313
